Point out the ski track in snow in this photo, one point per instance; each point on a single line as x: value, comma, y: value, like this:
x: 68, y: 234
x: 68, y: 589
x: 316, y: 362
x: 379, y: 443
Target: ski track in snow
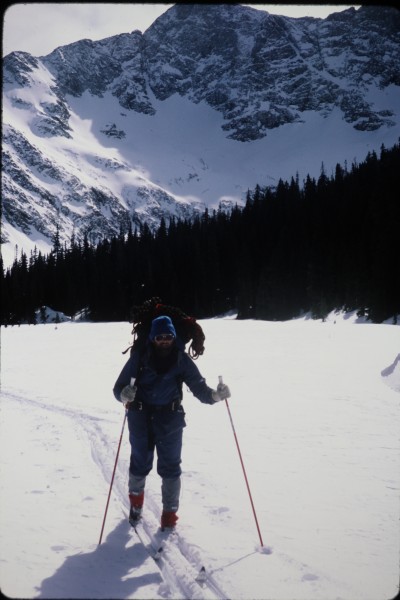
x: 181, y: 562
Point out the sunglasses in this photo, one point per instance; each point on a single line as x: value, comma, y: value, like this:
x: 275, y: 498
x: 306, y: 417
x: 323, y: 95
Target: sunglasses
x: 164, y: 337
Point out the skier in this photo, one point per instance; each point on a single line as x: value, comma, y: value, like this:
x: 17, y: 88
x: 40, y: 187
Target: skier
x: 156, y: 417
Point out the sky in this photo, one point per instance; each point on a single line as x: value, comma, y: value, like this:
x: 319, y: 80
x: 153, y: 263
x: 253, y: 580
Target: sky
x: 39, y: 28
x: 315, y: 408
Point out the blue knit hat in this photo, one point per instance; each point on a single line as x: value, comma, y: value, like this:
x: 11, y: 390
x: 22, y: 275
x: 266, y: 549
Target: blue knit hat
x: 161, y: 325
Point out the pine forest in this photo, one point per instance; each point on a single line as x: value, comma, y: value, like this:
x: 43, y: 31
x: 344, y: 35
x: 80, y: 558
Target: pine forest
x: 328, y: 244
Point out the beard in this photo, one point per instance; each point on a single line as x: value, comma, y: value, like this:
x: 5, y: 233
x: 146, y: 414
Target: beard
x: 164, y: 350
x: 164, y: 357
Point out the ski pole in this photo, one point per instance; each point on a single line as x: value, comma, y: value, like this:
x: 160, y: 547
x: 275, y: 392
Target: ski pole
x: 241, y: 461
x: 115, y: 467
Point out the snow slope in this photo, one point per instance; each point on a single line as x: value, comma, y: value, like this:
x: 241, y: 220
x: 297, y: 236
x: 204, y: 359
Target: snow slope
x: 180, y: 153
x: 316, y: 412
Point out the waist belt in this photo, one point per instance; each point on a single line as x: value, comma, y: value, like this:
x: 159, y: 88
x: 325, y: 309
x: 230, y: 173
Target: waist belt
x: 171, y: 407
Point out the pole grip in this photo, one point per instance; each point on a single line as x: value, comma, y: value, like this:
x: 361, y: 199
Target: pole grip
x: 220, y: 382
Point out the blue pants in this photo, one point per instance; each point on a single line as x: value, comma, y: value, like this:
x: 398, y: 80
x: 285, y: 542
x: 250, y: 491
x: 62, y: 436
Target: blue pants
x: 156, y: 429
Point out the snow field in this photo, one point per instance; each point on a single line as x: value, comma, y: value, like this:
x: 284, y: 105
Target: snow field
x: 316, y: 413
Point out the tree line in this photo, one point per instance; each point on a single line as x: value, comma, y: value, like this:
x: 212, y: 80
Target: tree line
x: 330, y: 244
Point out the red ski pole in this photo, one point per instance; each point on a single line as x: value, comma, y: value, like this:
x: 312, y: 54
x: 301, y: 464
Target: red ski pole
x: 241, y: 461
x: 112, y: 478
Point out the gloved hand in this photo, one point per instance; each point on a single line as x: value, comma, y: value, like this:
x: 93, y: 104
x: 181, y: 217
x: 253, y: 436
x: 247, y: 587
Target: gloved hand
x: 128, y: 394
x: 221, y: 393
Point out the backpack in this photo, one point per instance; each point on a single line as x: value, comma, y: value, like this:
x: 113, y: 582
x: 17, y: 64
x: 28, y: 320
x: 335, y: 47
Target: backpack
x: 186, y: 327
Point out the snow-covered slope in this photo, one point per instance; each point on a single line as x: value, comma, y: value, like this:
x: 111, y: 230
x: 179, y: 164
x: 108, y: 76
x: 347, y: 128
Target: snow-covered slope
x: 208, y: 102
x: 316, y: 413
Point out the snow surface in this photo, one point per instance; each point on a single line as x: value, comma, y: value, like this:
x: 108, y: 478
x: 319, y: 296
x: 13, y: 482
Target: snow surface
x: 315, y: 407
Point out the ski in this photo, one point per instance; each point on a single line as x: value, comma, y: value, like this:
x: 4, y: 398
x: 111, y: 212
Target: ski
x: 163, y: 553
x: 154, y: 551
x: 202, y: 574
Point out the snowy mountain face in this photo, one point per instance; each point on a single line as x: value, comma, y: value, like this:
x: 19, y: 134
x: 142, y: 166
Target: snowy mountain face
x: 208, y: 102
x: 262, y: 71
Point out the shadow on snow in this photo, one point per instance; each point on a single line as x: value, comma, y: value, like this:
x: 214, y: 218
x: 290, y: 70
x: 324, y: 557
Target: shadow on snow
x: 107, y: 572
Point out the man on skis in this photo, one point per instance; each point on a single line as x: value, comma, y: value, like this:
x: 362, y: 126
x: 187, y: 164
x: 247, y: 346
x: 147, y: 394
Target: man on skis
x: 156, y: 417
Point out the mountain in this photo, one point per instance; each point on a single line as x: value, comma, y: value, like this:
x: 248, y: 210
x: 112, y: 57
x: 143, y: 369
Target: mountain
x: 205, y: 104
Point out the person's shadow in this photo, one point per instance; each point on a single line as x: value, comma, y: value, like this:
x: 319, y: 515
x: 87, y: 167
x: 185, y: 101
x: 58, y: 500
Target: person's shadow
x: 107, y: 572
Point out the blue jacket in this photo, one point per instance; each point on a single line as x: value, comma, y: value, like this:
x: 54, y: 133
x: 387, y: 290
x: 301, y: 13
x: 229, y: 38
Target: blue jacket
x: 162, y: 388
